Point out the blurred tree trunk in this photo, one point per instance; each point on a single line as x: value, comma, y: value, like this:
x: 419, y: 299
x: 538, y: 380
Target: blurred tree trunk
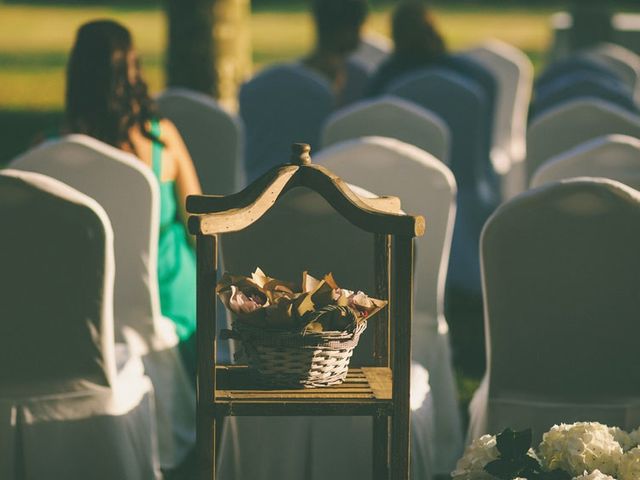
x: 591, y: 23
x: 209, y: 47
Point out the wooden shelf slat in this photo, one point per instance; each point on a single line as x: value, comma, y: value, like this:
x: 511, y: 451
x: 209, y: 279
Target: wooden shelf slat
x: 366, y: 389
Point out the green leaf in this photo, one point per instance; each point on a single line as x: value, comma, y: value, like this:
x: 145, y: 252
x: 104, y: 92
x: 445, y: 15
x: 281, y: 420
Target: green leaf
x: 522, y: 442
x: 557, y: 474
x: 553, y: 475
x: 505, y: 443
x: 512, y: 444
x: 500, y: 468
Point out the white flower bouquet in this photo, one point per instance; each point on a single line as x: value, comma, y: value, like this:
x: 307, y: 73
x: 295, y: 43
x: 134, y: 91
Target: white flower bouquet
x: 579, y: 451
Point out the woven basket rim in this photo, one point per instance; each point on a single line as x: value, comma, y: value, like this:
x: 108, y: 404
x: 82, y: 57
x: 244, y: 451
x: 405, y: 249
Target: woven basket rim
x: 287, y: 338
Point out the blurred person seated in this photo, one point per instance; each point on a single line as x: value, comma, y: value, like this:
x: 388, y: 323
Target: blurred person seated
x: 106, y: 98
x: 338, y: 25
x: 417, y: 44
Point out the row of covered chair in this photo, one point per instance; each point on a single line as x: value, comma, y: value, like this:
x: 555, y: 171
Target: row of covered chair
x: 456, y: 111
x: 572, y: 123
x: 458, y: 114
x: 128, y: 192
x: 87, y: 163
x: 398, y: 118
x: 350, y: 159
x: 309, y: 116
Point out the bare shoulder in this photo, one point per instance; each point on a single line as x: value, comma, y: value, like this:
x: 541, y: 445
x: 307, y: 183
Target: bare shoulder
x: 170, y: 134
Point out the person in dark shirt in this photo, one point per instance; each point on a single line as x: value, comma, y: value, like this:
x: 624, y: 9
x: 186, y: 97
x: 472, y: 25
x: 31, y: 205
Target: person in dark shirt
x: 338, y: 25
x: 417, y: 44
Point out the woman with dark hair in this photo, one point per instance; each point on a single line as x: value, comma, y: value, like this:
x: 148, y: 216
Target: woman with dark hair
x: 417, y: 44
x: 107, y: 99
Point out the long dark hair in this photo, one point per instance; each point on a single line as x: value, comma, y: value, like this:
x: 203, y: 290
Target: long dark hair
x: 101, y: 99
x: 414, y: 32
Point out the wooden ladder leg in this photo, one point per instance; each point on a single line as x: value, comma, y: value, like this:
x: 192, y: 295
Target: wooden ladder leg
x: 381, y: 448
x: 402, y: 300
x: 206, y: 449
x: 207, y: 255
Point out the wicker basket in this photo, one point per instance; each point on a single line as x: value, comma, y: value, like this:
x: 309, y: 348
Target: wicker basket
x: 284, y: 358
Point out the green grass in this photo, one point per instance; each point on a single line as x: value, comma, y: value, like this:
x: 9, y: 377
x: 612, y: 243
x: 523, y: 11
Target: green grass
x: 35, y: 41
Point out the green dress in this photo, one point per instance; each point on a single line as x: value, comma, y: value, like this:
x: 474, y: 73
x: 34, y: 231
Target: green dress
x: 176, y: 263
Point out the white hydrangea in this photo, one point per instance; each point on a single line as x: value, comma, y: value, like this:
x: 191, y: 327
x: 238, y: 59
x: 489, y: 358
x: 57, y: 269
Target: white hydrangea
x: 580, y: 447
x: 629, y: 468
x: 471, y: 466
x: 634, y: 436
x: 595, y: 475
x: 622, y: 437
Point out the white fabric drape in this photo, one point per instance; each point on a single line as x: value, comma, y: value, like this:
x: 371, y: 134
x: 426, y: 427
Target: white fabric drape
x: 69, y: 408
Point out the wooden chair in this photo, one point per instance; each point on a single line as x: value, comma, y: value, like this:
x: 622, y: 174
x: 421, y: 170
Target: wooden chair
x: 380, y: 391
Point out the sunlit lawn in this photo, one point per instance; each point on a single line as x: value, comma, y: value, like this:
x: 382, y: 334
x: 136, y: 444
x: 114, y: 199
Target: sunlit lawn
x: 34, y: 41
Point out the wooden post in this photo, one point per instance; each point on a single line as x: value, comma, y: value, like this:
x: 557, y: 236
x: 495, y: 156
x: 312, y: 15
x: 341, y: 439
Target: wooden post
x: 382, y: 271
x: 209, y: 48
x: 402, y: 301
x: 207, y: 256
x: 190, y: 49
x: 380, y: 448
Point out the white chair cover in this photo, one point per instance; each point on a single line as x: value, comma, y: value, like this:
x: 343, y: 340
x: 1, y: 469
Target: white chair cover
x: 214, y: 137
x: 573, y: 123
x: 627, y: 30
x: 561, y: 272
x: 583, y: 84
x: 425, y: 186
x: 514, y: 73
x: 303, y: 232
x: 463, y: 106
x: 624, y: 62
x: 390, y: 117
x: 356, y: 85
x: 373, y: 49
x: 66, y: 410
x: 128, y: 191
x: 281, y: 105
x: 578, y: 64
x: 616, y: 157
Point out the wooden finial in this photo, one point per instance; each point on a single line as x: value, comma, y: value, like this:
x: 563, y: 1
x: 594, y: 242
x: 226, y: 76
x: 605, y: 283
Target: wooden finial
x: 300, y: 154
